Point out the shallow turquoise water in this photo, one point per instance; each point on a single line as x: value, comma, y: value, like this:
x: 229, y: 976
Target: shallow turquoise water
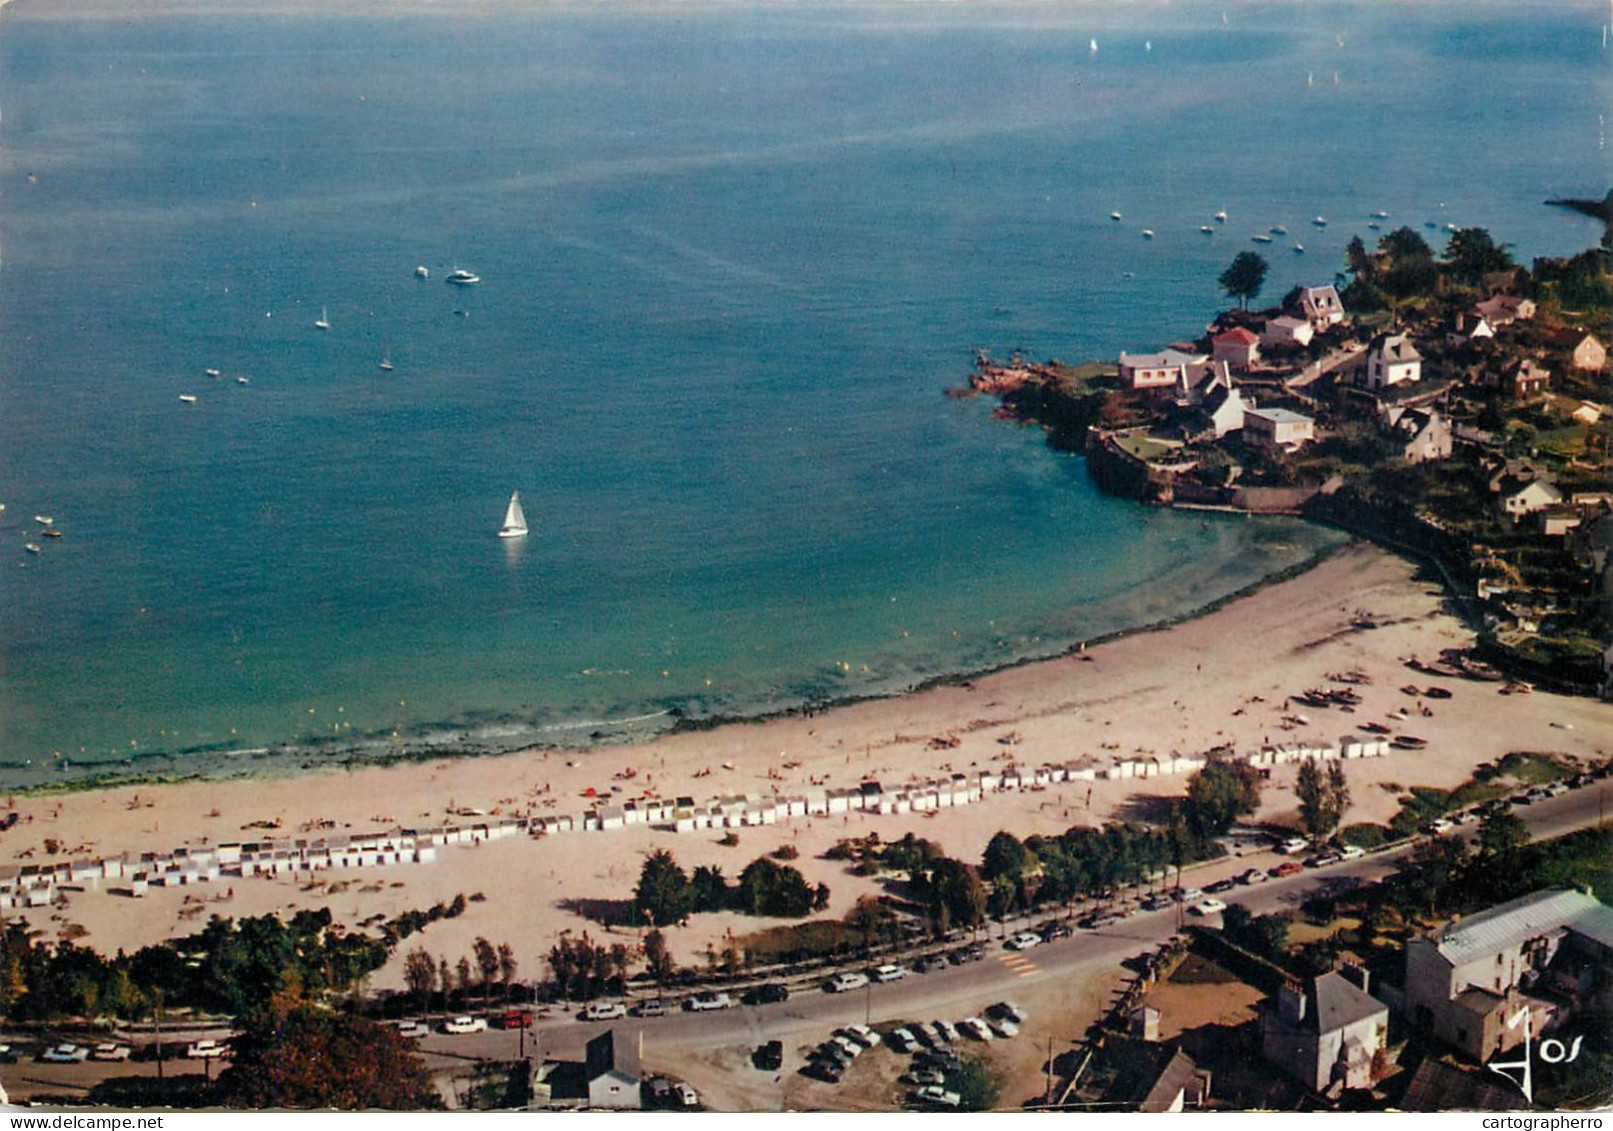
x: 730, y: 259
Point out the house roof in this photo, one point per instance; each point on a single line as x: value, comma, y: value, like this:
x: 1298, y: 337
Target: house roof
x: 1164, y: 359
x: 606, y: 1054
x: 1175, y: 1078
x: 1238, y: 336
x: 1394, y: 348
x: 1278, y: 415
x: 1442, y: 1087
x: 1518, y: 920
x: 1340, y: 1002
x: 1321, y: 297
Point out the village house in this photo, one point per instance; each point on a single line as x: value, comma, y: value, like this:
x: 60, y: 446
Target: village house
x: 1238, y: 348
x: 1392, y: 360
x: 1467, y: 980
x: 1321, y: 307
x: 1424, y: 433
x: 1277, y: 429
x: 1518, y: 498
x: 1469, y: 326
x: 1325, y: 1035
x: 1223, y: 411
x: 1286, y: 331
x: 1199, y: 379
x: 1523, y: 379
x: 1504, y: 310
x: 1156, y: 370
x: 1585, y: 353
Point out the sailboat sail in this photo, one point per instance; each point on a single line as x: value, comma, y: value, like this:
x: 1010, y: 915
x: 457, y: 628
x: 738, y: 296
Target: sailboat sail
x: 514, y: 519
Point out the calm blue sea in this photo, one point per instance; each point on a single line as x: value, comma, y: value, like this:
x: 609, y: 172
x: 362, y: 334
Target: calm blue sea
x: 730, y: 258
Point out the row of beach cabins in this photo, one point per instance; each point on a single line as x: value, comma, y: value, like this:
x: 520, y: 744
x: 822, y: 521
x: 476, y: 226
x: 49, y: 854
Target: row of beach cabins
x: 35, y: 884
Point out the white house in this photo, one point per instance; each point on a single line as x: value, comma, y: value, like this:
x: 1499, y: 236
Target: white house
x: 1392, y: 360
x: 1321, y: 307
x: 1286, y: 331
x: 1277, y: 429
x: 1325, y: 1035
x: 1238, y: 348
x: 1156, y: 370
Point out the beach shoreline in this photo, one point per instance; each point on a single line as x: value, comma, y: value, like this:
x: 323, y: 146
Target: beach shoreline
x: 1218, y: 680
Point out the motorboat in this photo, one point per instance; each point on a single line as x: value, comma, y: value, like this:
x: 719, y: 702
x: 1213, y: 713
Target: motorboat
x: 461, y: 278
x: 421, y: 273
x: 1148, y: 233
x: 187, y: 398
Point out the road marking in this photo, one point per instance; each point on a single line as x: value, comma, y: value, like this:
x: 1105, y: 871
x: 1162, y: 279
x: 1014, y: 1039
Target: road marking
x: 1020, y: 965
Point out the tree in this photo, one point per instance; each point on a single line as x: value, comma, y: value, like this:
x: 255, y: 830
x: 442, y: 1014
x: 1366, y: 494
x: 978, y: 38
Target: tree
x: 420, y: 975
x: 708, y: 889
x: 1501, y: 837
x: 1432, y: 870
x: 507, y: 967
x: 1005, y: 858
x: 658, y: 957
x: 1323, y: 797
x: 1243, y: 279
x: 486, y: 964
x: 663, y: 893
x: 769, y: 888
x: 582, y: 969
x: 1473, y: 254
x: 1219, y: 794
x: 1338, y: 794
x: 297, y: 1055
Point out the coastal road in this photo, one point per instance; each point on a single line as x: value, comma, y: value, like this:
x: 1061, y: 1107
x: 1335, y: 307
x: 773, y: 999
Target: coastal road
x: 959, y: 991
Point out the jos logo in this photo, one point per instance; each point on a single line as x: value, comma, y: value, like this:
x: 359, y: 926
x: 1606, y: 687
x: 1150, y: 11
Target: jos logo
x: 1552, y: 1051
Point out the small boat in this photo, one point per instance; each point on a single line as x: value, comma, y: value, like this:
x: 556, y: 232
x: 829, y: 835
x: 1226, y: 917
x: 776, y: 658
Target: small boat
x: 460, y: 278
x: 1375, y: 728
x: 386, y: 363
x: 1411, y: 689
x: 50, y: 532
x: 1299, y: 249
x: 1452, y: 228
x: 1092, y: 46
x: 1148, y: 233
x: 243, y: 380
x: 514, y: 519
x: 1437, y: 692
x: 1408, y: 742
x: 187, y: 398
x: 44, y: 519
x: 324, y: 320
x: 1261, y: 239
x: 31, y: 547
x: 421, y: 273
x: 1320, y: 222
x: 1375, y: 226
x: 1114, y: 215
x: 1221, y: 216
x: 1206, y: 229
x: 1380, y: 215
x: 212, y: 373
x: 1278, y: 230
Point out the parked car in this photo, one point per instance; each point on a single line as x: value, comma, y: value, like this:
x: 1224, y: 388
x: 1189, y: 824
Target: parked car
x: 939, y: 1060
x: 852, y: 1049
x: 1099, y: 919
x: 660, y: 1089
x: 653, y: 1007
x: 707, y: 1000
x: 205, y: 1050
x: 1003, y: 1027
x: 923, y: 1076
x: 111, y: 1051
x: 1221, y: 886
x: 686, y: 1096
x: 1186, y: 895
x: 850, y: 980
x: 413, y: 1030
x: 1323, y: 859
x: 1252, y: 876
x: 1438, y: 826
x: 1352, y: 852
x: 902, y: 1040
x: 1054, y: 931
x: 826, y: 1070
x: 946, y: 1030
x: 513, y: 1019
x: 595, y: 1011
x: 766, y: 994
x: 65, y: 1054
x: 1210, y: 906
x: 1557, y: 788
x: 889, y: 972
x: 933, y: 1095
x: 862, y: 1034
x: 976, y: 1028
x: 1292, y: 845
x: 769, y: 1057
x: 929, y: 962
x: 1023, y: 941
x: 1009, y: 1009
x: 1156, y: 903
x: 1287, y: 868
x: 8, y: 1054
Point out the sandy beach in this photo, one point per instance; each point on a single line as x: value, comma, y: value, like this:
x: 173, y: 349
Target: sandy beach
x: 1219, y: 679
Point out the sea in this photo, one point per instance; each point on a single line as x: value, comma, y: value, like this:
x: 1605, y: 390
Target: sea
x: 731, y: 255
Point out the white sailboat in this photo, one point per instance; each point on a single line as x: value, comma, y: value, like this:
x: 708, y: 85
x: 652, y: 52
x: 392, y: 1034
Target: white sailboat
x: 514, y: 519
x: 324, y: 319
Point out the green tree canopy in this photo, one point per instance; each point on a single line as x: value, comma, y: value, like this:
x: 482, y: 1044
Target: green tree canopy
x: 1218, y: 795
x: 663, y: 895
x: 1005, y: 858
x: 296, y: 1055
x: 1472, y: 254
x: 1244, y: 277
